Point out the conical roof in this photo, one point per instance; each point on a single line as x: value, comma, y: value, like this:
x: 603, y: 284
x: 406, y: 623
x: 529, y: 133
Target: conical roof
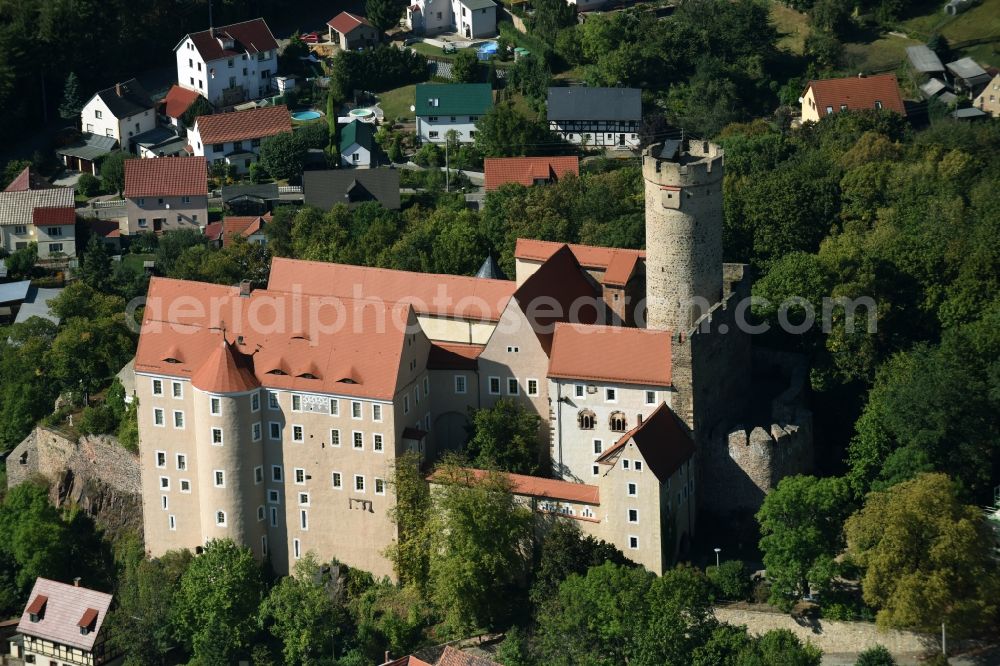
x: 225, y: 371
x: 490, y: 269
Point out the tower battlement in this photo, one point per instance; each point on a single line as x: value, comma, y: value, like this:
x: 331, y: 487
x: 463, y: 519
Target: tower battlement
x: 683, y: 163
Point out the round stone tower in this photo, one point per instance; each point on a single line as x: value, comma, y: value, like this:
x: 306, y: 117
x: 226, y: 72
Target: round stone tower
x: 683, y: 185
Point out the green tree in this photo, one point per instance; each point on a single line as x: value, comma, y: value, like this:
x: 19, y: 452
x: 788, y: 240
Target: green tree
x: 549, y: 17
x: 505, y: 437
x: 876, y: 655
x: 302, y: 615
x: 479, y: 544
x: 88, y: 185
x: 113, y: 172
x: 71, y: 104
x: 801, y: 523
x: 730, y: 580
x: 565, y: 551
x: 465, y: 68
x: 141, y: 621
x: 383, y: 14
x: 172, y: 245
x: 410, y: 554
x: 926, y: 558
x: 282, y: 156
x: 199, y: 107
x: 217, y: 602
x: 95, y: 265
x: 505, y: 132
x: 21, y: 263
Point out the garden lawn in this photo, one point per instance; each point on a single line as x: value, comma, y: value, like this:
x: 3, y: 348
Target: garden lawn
x: 434, y: 51
x: 793, y: 27
x: 396, y: 103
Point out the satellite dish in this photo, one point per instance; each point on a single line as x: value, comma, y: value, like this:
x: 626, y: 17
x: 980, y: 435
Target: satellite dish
x: 412, y: 108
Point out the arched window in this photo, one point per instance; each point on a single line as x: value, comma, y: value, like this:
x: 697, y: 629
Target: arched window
x: 586, y: 419
x: 220, y: 518
x: 617, y: 422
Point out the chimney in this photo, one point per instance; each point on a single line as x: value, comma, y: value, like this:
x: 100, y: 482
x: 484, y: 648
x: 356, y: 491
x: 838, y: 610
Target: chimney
x: 387, y: 657
x: 118, y: 89
x: 861, y: 75
x: 245, y: 288
x: 76, y: 582
x: 638, y: 420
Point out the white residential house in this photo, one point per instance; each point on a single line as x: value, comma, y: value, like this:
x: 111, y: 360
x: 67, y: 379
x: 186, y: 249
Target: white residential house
x: 234, y: 138
x: 121, y: 112
x: 596, y: 116
x: 470, y: 18
x: 358, y: 147
x: 229, y: 65
x: 454, y: 106
x: 32, y: 211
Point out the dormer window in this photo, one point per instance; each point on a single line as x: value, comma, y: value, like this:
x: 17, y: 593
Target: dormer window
x: 346, y: 380
x: 617, y: 422
x: 88, y: 621
x: 36, y: 610
x: 277, y: 371
x: 586, y: 419
x: 308, y: 375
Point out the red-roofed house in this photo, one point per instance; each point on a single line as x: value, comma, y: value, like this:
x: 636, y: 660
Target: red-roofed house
x: 35, y: 212
x: 250, y: 227
x: 176, y: 104
x: 528, y: 171
x: 65, y: 622
x: 234, y: 138
x: 351, y: 31
x: 230, y: 64
x: 166, y: 194
x: 826, y: 97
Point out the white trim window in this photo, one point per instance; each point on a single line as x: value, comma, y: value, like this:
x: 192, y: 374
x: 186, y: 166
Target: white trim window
x: 633, y: 515
x: 273, y: 496
x: 161, y: 459
x: 276, y: 474
x: 379, y: 486
x: 255, y: 431
x: 178, y: 419
x: 172, y: 522
x: 297, y: 548
x: 337, y: 479
x: 355, y: 410
x: 303, y: 499
x: 493, y: 385
x: 157, y: 387
x: 532, y: 385
x: 219, y: 478
x: 177, y: 390
x: 610, y: 394
x: 638, y: 465
x: 461, y: 384
x: 274, y: 431
x: 274, y: 516
x: 258, y: 475
x: 650, y: 397
x: 632, y: 489
x: 304, y: 520
x: 376, y: 413
x: 165, y: 483
x: 334, y: 407
x: 158, y: 418
x: 255, y: 401
x: 300, y: 476
x: 261, y: 514
x: 272, y: 400
x: 215, y: 406
x: 181, y: 462
x: 298, y: 433
x: 377, y: 443
x: 633, y: 542
x: 164, y: 503
x: 580, y: 391
x: 512, y: 386
x: 296, y: 402
x: 359, y: 483
x: 185, y: 486
x: 220, y: 518
x: 358, y: 439
x: 216, y: 436
x: 596, y: 470
x: 335, y: 437
x: 598, y: 446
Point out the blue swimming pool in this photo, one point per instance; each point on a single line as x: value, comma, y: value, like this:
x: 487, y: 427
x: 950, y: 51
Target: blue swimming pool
x: 306, y: 115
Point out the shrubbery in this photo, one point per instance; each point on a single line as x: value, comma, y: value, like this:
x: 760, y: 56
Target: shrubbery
x: 730, y: 580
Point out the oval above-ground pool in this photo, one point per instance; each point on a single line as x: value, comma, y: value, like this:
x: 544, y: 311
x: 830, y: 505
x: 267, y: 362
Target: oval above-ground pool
x: 306, y: 115
x: 361, y: 113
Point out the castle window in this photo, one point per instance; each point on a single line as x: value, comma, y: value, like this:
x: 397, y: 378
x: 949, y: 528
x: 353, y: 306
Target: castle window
x: 377, y: 442
x: 512, y: 387
x: 304, y: 519
x: 586, y: 419
x: 181, y: 462
x: 274, y: 517
x: 220, y: 479
x: 334, y: 437
x: 460, y: 385
x: 260, y: 513
x: 359, y: 483
x: 359, y: 442
x: 220, y: 518
x: 624, y: 463
x: 338, y: 480
x: 334, y: 407
x: 298, y: 434
x: 406, y: 404
x: 532, y: 387
x: 617, y: 422
x: 273, y: 497
x: 633, y: 515
x: 296, y: 548
x: 163, y: 502
x: 296, y: 403
x: 274, y: 430
x: 494, y: 385
x: 638, y: 465
x: 185, y: 486
x: 598, y: 446
x: 165, y: 483
x: 217, y: 436
x: 255, y: 402
x: 610, y: 395
x: 379, y: 487
x: 272, y: 400
x: 179, y: 420
x: 276, y: 473
x: 633, y: 542
x: 258, y: 475
x: 157, y: 387
x: 161, y: 458
x: 633, y: 490
x: 596, y: 470
x: 578, y: 390
x: 215, y: 406
x: 377, y: 413
x: 158, y: 417
x: 355, y: 410
x: 172, y: 521
x: 650, y: 397
x: 178, y: 389
x: 263, y: 545
x: 255, y: 431
x: 303, y: 499
x: 300, y: 476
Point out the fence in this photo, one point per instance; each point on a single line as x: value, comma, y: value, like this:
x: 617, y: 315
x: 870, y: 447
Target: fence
x: 111, y: 203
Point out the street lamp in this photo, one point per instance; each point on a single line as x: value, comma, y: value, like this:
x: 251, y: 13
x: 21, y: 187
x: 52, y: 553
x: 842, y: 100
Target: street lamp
x: 717, y: 551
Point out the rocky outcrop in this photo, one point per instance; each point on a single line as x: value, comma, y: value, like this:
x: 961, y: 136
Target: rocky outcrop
x: 93, y: 472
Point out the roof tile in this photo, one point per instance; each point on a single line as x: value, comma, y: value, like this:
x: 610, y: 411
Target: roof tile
x: 345, y: 22
x: 65, y: 606
x: 857, y: 93
x: 53, y: 216
x: 178, y: 101
x: 243, y: 125
x: 166, y: 177
x: 525, y: 170
x: 250, y: 37
x: 662, y: 439
x: 611, y: 354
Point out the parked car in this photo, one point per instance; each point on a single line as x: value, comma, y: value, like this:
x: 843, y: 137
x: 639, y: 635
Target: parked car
x: 310, y: 37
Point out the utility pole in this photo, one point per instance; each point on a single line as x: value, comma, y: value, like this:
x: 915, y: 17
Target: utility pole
x: 944, y: 641
x: 447, y: 169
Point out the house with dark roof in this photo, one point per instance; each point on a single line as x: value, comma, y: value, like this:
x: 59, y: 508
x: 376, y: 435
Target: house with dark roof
x: 121, y: 112
x: 596, y: 116
x: 528, y: 171
x: 32, y: 211
x: 250, y: 198
x: 166, y: 194
x: 326, y: 188
x: 470, y: 18
x: 234, y: 138
x: 229, y: 64
x: 826, y: 97
x: 967, y: 75
x: 85, y: 153
x: 65, y: 623
x: 358, y: 147
x: 351, y: 31
x: 442, y: 108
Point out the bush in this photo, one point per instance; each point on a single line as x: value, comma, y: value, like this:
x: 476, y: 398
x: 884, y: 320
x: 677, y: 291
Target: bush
x: 99, y: 420
x: 128, y: 430
x: 429, y: 155
x: 88, y: 185
x: 731, y: 580
x: 144, y: 243
x: 876, y: 655
x: 761, y: 592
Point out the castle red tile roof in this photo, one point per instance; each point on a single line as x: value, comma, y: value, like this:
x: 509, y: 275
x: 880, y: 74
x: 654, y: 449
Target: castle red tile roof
x: 618, y: 264
x: 430, y: 293
x: 225, y: 371
x: 250, y: 37
x: 661, y: 438
x: 453, y: 356
x: 53, y: 216
x: 534, y: 486
x: 243, y: 125
x: 353, y: 349
x: 345, y: 22
x: 61, y: 610
x: 611, y: 354
x: 166, y: 177
x: 857, y: 93
x: 526, y: 170
x: 178, y: 101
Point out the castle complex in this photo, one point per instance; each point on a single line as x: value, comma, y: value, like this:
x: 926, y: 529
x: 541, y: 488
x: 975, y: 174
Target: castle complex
x: 274, y: 416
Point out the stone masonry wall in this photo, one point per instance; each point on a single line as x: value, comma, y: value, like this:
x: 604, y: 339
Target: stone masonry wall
x: 93, y: 472
x: 830, y: 636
